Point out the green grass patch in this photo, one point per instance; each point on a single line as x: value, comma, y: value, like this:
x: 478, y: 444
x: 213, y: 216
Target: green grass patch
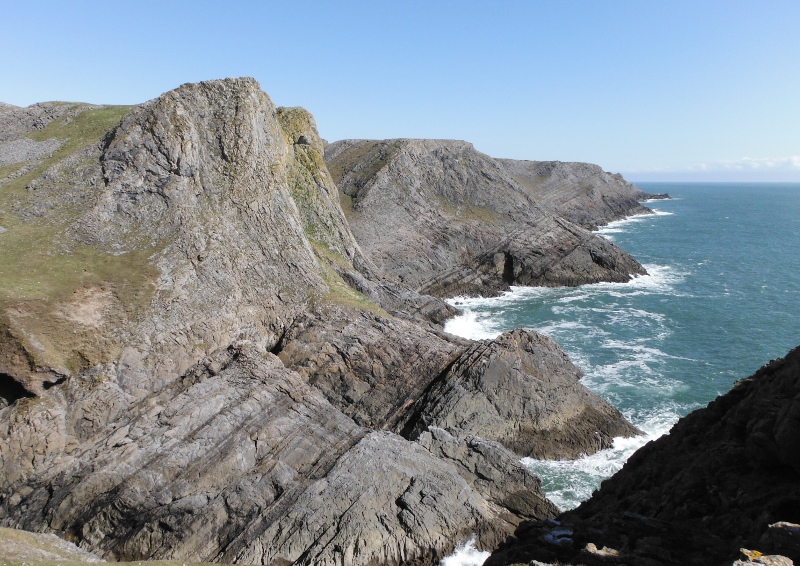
x: 86, y: 128
x: 340, y: 292
x: 362, y: 161
x: 41, y: 268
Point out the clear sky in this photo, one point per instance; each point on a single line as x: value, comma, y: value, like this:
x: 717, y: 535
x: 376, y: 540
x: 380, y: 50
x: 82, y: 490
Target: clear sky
x: 657, y: 90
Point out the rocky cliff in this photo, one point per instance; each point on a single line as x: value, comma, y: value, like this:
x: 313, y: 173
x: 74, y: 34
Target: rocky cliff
x: 448, y: 220
x: 197, y: 360
x: 580, y: 192
x: 726, y: 477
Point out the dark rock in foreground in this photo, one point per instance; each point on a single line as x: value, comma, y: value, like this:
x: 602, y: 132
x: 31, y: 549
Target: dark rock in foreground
x: 726, y: 477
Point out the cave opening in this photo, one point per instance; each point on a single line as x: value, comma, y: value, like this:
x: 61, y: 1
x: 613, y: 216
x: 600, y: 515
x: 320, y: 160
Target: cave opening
x: 508, y: 269
x: 11, y: 390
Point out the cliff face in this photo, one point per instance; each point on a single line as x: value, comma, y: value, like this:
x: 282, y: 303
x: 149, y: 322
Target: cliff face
x: 447, y: 220
x: 726, y: 477
x: 581, y: 192
x: 197, y: 360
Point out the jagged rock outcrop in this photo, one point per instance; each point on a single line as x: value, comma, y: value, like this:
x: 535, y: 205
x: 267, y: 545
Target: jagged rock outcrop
x: 371, y: 367
x: 522, y: 391
x: 447, y: 219
x: 243, y: 461
x: 726, y: 477
x: 202, y: 202
x: 580, y: 192
x: 198, y: 361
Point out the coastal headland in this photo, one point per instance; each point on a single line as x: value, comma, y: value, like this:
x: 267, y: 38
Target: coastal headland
x: 221, y: 336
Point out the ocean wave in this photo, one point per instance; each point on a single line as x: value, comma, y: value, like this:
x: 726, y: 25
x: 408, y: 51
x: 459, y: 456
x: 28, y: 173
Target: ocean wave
x: 569, y: 482
x: 474, y: 325
x: 486, y: 317
x: 466, y: 555
x: 620, y: 226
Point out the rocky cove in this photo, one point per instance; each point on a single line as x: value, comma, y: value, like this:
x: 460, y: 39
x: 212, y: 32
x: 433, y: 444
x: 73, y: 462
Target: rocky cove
x: 222, y: 340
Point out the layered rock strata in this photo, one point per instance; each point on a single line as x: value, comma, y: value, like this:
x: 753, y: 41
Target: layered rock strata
x: 446, y: 220
x: 580, y: 192
x: 198, y: 362
x: 726, y: 477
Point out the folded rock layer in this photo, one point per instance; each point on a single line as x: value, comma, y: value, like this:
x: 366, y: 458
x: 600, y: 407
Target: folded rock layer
x: 199, y: 362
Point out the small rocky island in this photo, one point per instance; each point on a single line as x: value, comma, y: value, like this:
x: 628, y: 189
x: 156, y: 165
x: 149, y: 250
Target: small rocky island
x: 221, y: 337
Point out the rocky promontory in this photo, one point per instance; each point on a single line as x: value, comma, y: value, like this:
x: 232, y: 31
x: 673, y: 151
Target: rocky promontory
x: 446, y: 220
x: 200, y: 361
x: 581, y: 192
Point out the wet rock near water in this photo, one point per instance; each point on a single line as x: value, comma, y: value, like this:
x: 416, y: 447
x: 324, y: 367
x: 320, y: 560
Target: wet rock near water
x: 726, y: 477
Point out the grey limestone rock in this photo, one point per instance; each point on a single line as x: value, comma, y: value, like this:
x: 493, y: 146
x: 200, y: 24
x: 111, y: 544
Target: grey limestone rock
x: 253, y: 465
x: 371, y: 367
x: 522, y: 391
x: 213, y: 369
x: 447, y: 219
x: 24, y: 149
x: 581, y: 192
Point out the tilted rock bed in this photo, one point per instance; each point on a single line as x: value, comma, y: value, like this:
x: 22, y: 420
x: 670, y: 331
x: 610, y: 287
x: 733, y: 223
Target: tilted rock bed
x: 199, y: 362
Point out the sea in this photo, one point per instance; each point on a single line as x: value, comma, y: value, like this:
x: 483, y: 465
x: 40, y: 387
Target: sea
x: 721, y: 299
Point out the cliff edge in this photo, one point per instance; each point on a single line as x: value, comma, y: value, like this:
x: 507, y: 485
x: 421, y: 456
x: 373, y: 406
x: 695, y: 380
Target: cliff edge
x: 448, y: 220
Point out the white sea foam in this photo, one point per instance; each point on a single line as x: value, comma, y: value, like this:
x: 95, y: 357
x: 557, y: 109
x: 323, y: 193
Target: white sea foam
x: 569, y: 482
x: 466, y: 555
x: 474, y: 324
x: 619, y: 226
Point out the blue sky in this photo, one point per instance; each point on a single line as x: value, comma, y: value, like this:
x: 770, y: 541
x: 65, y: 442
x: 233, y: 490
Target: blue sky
x: 672, y: 90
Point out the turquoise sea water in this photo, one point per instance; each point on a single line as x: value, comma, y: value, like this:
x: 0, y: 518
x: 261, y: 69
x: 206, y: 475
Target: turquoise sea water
x: 721, y: 299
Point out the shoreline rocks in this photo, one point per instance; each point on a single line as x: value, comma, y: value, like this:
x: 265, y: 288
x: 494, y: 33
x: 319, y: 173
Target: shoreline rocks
x: 725, y: 477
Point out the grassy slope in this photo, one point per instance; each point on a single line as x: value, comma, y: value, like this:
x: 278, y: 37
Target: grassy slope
x: 36, y: 273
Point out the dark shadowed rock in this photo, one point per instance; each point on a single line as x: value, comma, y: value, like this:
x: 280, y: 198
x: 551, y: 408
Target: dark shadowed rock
x: 724, y: 478
x: 447, y: 219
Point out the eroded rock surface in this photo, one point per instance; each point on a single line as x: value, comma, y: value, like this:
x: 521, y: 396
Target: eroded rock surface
x: 522, y: 391
x: 581, y: 192
x: 199, y: 362
x: 447, y: 220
